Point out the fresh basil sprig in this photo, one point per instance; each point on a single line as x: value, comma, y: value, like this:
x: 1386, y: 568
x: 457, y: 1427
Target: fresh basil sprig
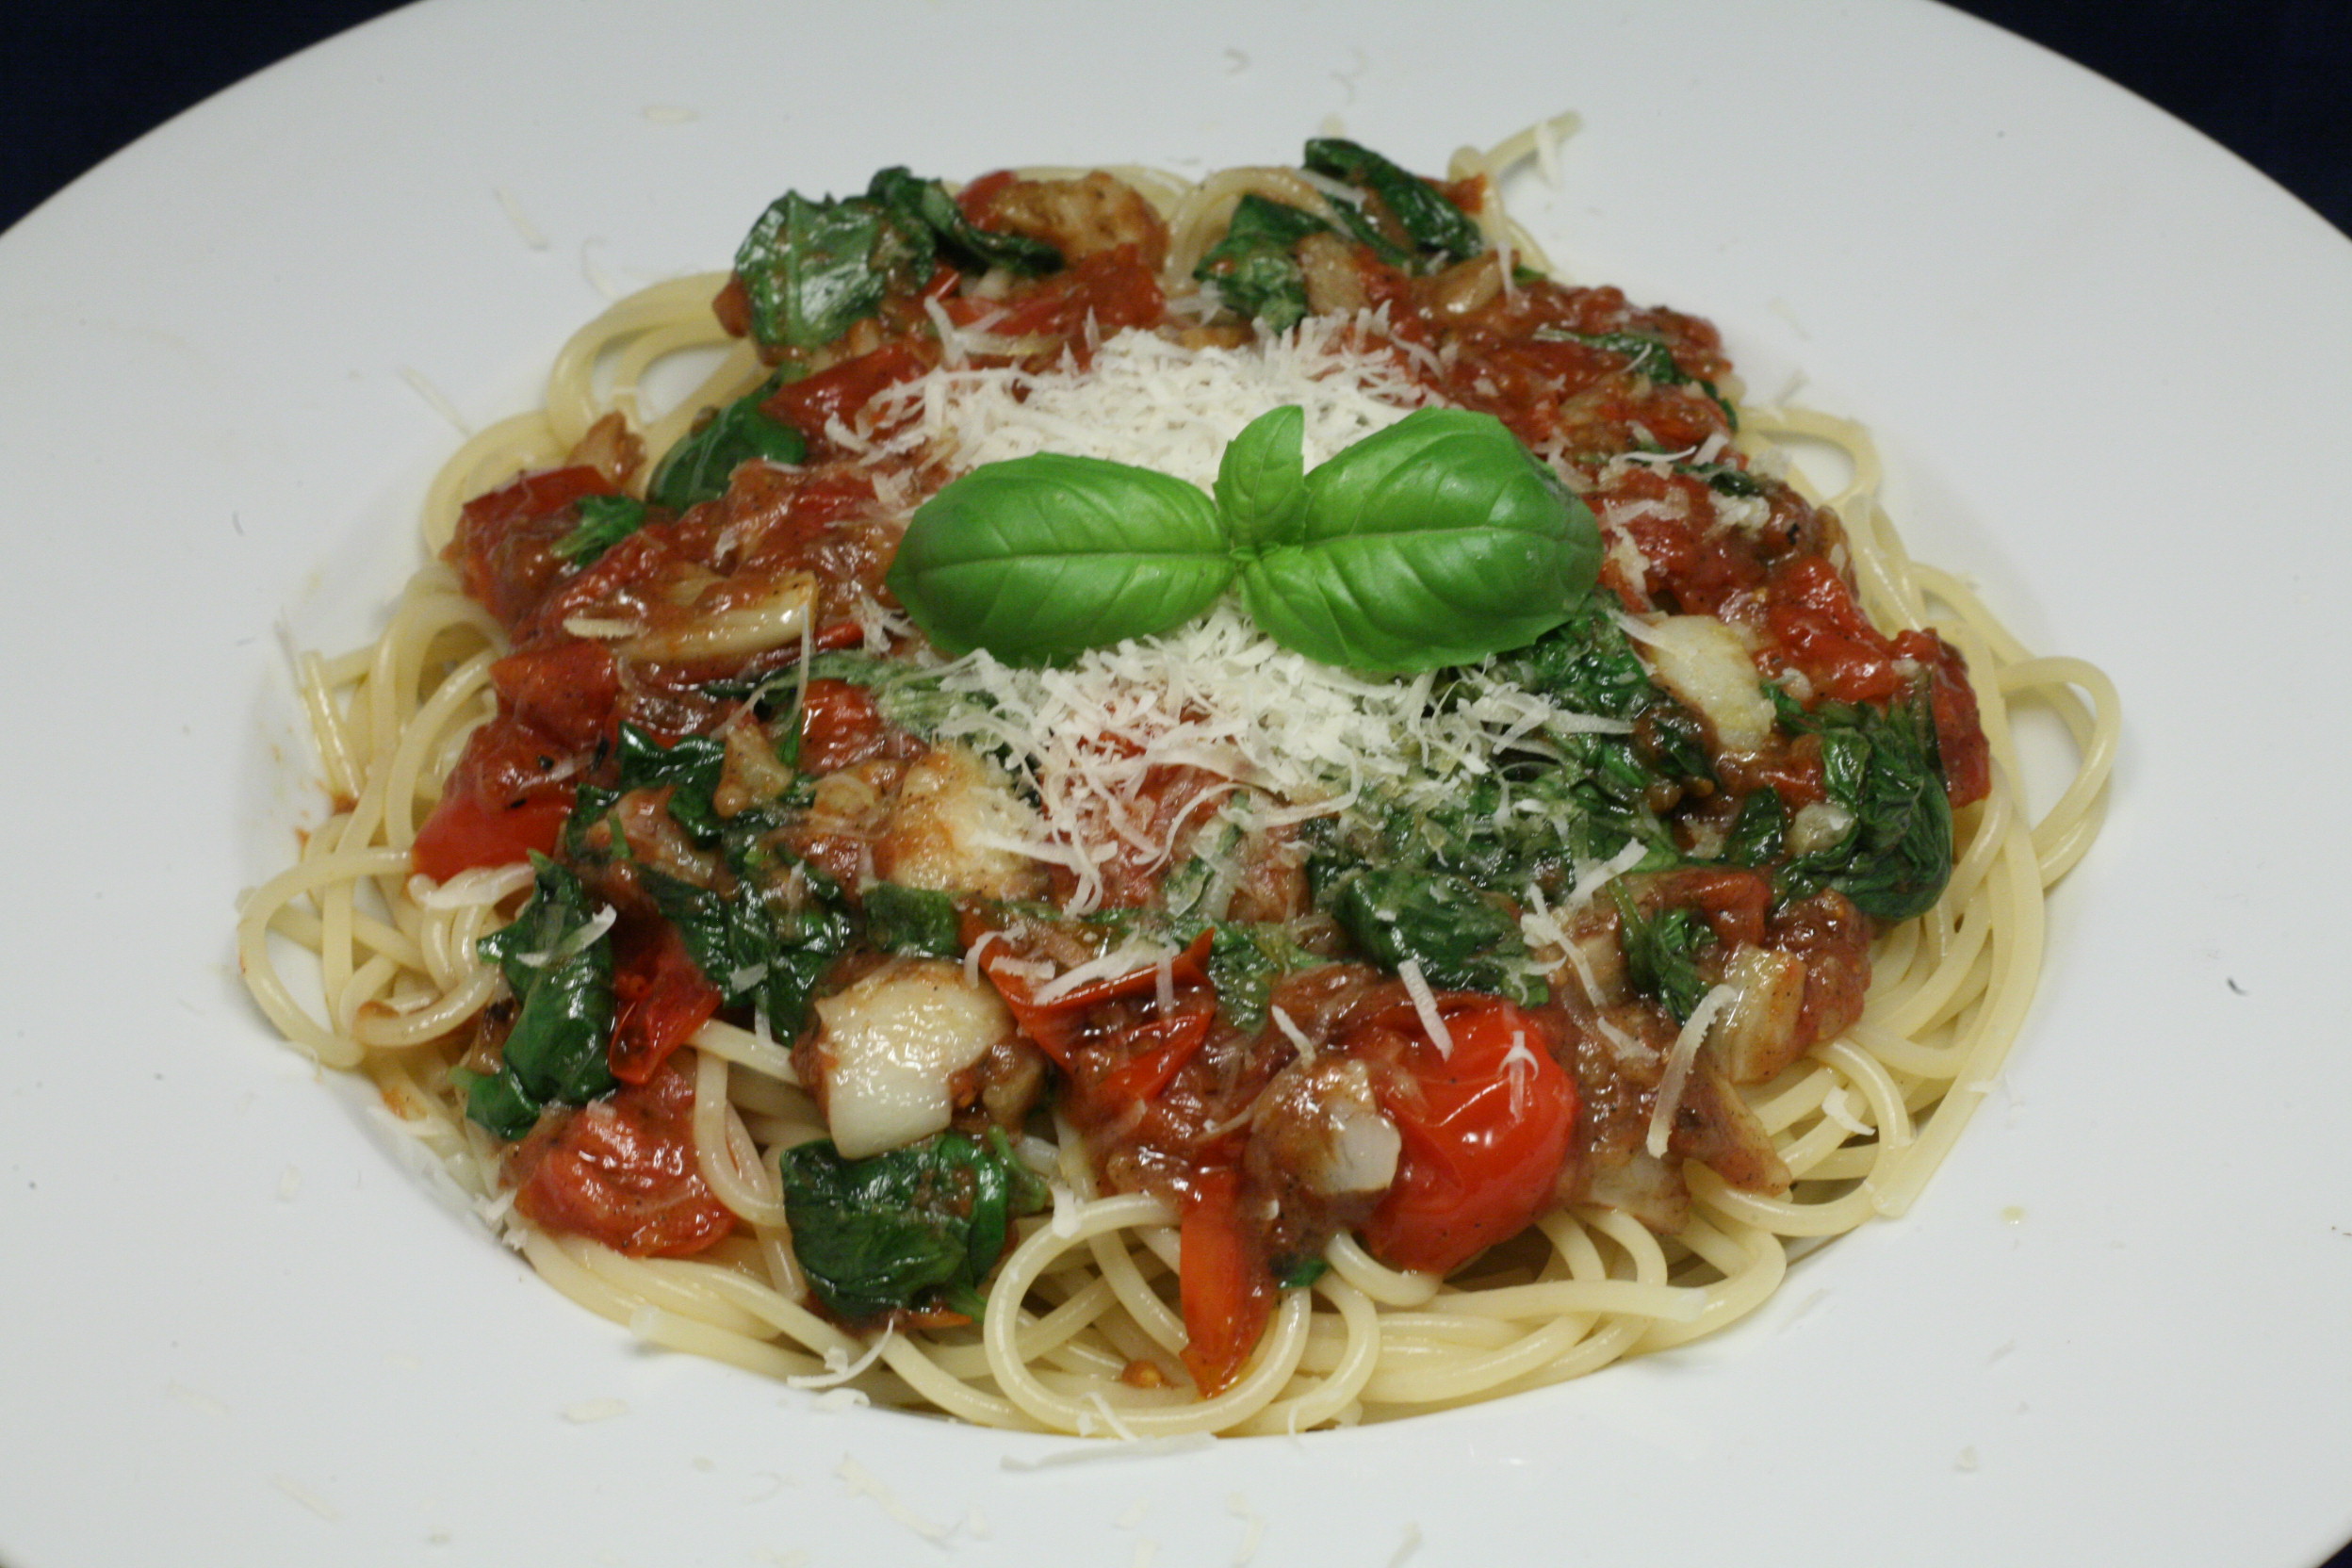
x: 1437, y: 541
x: 1040, y: 557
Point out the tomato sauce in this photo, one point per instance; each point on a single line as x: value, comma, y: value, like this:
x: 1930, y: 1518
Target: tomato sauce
x: 1496, y: 1104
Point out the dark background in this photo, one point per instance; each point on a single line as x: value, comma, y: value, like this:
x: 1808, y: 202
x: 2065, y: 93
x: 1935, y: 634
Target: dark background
x: 2269, y: 79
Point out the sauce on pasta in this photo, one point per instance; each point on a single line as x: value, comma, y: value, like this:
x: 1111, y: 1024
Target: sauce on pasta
x: 780, y: 981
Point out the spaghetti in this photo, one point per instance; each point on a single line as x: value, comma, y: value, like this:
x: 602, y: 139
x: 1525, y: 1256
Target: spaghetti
x: 1735, y: 1063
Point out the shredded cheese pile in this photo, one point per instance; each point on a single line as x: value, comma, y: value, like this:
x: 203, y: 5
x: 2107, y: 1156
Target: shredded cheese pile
x: 1288, y: 738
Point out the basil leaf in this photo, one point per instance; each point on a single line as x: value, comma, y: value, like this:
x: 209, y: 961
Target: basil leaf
x: 1042, y: 557
x: 698, y: 467
x: 1437, y: 541
x: 604, y: 522
x: 1262, y: 481
x: 1435, y: 225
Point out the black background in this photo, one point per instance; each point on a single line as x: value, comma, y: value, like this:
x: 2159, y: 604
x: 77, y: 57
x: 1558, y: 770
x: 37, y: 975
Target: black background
x: 2269, y: 79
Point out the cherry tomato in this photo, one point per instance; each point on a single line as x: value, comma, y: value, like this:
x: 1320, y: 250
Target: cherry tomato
x: 1485, y: 1128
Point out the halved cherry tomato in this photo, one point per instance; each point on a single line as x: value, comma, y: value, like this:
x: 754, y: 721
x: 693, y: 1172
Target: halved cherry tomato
x: 1485, y: 1128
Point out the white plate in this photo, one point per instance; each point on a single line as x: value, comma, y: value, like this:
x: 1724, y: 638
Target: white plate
x: 2112, y: 369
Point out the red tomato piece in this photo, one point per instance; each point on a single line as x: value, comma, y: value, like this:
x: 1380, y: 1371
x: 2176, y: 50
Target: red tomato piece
x: 621, y: 1172
x: 1222, y: 1284
x: 1485, y: 1129
x: 504, y: 547
x: 1161, y: 1048
x: 1960, y: 743
x: 1113, y: 288
x: 840, y: 725
x: 661, y: 994
x: 506, y: 798
x: 1055, y: 1025
x: 841, y: 390
x: 565, y: 688
x: 1822, y: 631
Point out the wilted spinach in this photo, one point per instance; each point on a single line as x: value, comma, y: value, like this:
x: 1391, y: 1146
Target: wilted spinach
x: 910, y: 1228
x: 558, y: 961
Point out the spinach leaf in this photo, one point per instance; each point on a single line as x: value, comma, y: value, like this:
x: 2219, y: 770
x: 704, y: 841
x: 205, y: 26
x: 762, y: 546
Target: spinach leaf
x: 698, y: 467
x: 1436, y: 541
x: 1759, y: 834
x: 769, y: 939
x: 1255, y: 267
x: 1883, y: 768
x: 1587, y: 663
x: 1039, y: 557
x: 1245, y: 960
x: 1723, y: 478
x: 1436, y: 226
x: 604, y: 522
x: 919, y: 921
x: 810, y: 269
x: 1463, y: 938
x: 1661, y: 951
x: 912, y: 1227
x: 1298, y: 1271
x: 692, y: 769
x: 558, y: 962
x: 925, y: 205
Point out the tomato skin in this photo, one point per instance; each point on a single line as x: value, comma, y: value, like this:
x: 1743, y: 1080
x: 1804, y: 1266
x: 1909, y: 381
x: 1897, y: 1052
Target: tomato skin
x: 621, y: 1172
x: 1057, y: 1027
x: 1482, y: 1155
x: 1960, y: 742
x: 662, y: 998
x: 841, y: 725
x: 566, y: 690
x: 504, y: 547
x: 839, y: 391
x: 1114, y: 287
x: 1819, y: 629
x: 505, y: 800
x: 1222, y: 1284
